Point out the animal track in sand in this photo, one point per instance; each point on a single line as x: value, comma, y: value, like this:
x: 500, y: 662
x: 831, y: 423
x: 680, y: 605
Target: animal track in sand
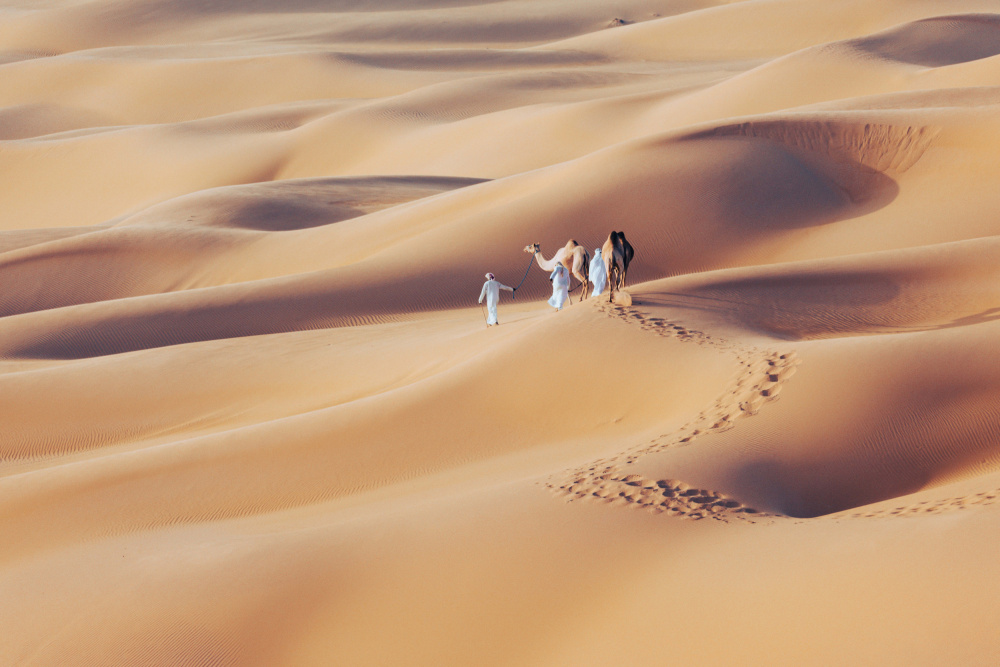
x: 663, y: 496
x: 758, y: 380
x: 925, y: 507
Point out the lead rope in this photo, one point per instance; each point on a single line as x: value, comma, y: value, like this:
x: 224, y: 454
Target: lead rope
x: 526, y: 272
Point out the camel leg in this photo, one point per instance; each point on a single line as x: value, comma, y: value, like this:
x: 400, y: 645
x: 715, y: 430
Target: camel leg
x: 609, y: 270
x: 580, y: 270
x: 583, y: 281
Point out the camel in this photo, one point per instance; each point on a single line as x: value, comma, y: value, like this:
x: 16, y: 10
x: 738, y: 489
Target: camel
x: 613, y: 261
x: 617, y: 253
x: 573, y: 256
x: 628, y: 252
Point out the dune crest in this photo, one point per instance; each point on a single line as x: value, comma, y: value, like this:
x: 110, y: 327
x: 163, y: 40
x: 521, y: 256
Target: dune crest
x: 886, y: 148
x: 938, y: 41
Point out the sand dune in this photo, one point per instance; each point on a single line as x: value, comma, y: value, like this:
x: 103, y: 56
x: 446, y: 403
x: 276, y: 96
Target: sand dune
x: 207, y: 238
x: 939, y: 41
x: 920, y: 289
x: 252, y: 414
x: 911, y: 369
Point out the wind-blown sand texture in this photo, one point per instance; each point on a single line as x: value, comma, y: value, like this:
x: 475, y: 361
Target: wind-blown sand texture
x: 251, y: 413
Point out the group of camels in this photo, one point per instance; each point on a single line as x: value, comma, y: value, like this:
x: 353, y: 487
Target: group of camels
x: 617, y: 253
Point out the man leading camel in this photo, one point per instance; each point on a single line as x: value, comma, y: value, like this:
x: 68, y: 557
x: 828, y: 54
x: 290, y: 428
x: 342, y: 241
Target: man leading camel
x: 491, y: 290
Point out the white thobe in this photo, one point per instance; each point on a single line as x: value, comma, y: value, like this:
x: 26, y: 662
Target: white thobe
x: 491, y: 290
x: 598, y: 273
x: 560, y: 287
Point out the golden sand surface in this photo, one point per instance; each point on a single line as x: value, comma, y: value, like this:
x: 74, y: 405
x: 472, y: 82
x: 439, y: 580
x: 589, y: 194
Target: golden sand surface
x: 250, y: 412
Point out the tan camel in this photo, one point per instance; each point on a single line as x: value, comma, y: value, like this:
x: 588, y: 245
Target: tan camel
x: 617, y: 253
x: 613, y: 261
x: 573, y: 256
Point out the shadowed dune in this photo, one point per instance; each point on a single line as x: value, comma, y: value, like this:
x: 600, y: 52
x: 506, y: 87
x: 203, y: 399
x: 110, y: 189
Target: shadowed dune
x: 195, y: 8
x: 283, y: 206
x: 884, y: 148
x: 923, y: 413
x: 15, y: 239
x: 754, y: 30
x: 193, y: 241
x: 938, y: 41
x: 921, y: 289
x: 813, y: 175
x: 916, y: 377
x: 470, y: 59
x: 32, y: 120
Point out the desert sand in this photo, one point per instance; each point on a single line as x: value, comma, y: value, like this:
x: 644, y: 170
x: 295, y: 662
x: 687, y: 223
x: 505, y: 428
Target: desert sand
x: 252, y: 415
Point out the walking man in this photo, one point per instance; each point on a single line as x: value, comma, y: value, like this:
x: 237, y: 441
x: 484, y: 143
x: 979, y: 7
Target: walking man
x: 560, y: 287
x: 491, y: 290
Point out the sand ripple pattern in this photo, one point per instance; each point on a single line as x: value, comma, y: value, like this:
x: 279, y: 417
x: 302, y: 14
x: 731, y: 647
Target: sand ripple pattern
x: 929, y: 507
x: 759, y: 380
x: 886, y: 148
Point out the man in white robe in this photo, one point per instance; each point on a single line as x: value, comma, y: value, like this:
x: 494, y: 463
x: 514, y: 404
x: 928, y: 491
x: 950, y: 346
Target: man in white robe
x: 560, y: 287
x: 598, y: 273
x: 491, y: 290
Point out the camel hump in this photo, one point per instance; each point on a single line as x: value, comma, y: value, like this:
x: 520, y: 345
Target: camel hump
x: 573, y: 242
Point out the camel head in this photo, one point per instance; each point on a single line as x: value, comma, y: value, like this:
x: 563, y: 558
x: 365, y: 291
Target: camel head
x: 533, y: 248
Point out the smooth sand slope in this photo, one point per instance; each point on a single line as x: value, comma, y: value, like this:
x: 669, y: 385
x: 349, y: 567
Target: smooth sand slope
x: 251, y: 413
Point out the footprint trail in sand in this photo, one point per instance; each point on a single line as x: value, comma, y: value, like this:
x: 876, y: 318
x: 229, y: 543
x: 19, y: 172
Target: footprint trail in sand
x: 759, y: 379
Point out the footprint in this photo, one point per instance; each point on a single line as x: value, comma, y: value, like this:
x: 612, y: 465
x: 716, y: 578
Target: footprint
x: 759, y: 379
x: 926, y: 507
